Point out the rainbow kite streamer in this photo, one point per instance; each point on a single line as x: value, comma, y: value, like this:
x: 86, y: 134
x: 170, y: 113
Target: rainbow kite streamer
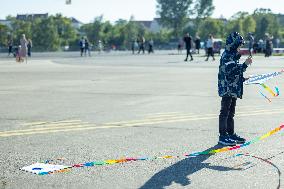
x: 265, y: 97
x: 258, y: 79
x: 206, y: 152
x: 275, y: 94
x: 267, y: 88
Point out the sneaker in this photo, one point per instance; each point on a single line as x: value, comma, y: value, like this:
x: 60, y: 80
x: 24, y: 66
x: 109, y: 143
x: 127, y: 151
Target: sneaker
x: 227, y: 141
x: 238, y: 139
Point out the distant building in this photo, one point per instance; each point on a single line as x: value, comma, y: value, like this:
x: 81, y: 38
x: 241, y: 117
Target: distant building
x: 6, y: 23
x: 31, y: 16
x: 223, y: 20
x: 76, y: 23
x: 281, y: 19
x: 153, y: 26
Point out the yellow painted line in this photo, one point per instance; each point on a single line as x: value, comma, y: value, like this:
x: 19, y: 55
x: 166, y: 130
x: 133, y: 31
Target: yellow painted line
x: 34, y: 123
x: 185, y: 116
x: 267, y: 110
x: 81, y: 128
x: 191, y: 115
x: 166, y: 113
x: 42, y: 129
x: 55, y: 131
x: 196, y: 118
x: 58, y: 125
x: 41, y: 123
x: 165, y: 116
x: 139, y: 120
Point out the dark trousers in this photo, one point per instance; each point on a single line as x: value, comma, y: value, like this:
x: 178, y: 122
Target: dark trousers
x: 150, y: 50
x: 10, y: 50
x: 188, y: 53
x: 141, y: 48
x: 29, y: 52
x: 226, y: 117
x: 210, y: 53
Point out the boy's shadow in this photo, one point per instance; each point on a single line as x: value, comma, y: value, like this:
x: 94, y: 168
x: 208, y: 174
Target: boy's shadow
x: 180, y: 171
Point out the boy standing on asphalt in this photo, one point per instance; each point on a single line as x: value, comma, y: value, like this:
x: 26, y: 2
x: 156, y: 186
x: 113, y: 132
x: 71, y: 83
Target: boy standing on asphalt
x: 230, y: 87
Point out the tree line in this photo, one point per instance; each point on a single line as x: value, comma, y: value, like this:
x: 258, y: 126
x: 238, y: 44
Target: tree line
x: 177, y: 18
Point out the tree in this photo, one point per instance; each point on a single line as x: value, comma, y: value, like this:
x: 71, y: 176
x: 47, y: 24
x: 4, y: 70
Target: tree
x: 235, y: 26
x: 64, y: 28
x: 45, y: 36
x: 174, y: 14
x: 249, y: 25
x: 93, y: 30
x: 211, y: 26
x: 20, y: 27
x: 204, y: 8
x: 266, y: 22
x: 4, y: 30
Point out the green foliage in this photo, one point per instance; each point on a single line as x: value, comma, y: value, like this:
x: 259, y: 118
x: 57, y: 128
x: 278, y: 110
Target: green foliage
x: 249, y: 25
x: 235, y: 25
x: 120, y: 34
x: 4, y: 31
x: 174, y: 14
x: 93, y: 30
x: 20, y: 27
x: 45, y: 35
x: 204, y: 8
x: 179, y: 17
x: 65, y: 30
x: 266, y: 22
x: 211, y: 26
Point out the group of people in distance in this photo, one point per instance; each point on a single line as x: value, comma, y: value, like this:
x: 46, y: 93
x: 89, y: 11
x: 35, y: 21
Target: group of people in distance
x: 188, y: 41
x: 140, y: 44
x: 85, y: 46
x: 22, y: 51
x: 262, y: 46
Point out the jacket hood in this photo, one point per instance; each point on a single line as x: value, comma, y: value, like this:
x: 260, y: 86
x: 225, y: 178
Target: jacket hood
x: 234, y: 41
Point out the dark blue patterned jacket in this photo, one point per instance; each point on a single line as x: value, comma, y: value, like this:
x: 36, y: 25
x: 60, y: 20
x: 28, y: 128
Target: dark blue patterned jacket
x: 230, y: 77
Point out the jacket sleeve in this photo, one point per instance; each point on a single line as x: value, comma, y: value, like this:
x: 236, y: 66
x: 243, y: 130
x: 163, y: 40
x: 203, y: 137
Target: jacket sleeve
x: 232, y: 69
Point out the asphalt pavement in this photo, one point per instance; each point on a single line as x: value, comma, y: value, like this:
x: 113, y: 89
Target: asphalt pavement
x: 72, y: 109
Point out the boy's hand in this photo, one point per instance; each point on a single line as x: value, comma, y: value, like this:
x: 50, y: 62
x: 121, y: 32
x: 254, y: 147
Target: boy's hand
x: 248, y: 61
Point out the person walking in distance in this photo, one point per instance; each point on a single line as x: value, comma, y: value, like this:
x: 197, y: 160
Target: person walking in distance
x: 250, y: 43
x: 82, y: 45
x: 133, y: 44
x: 209, y: 46
x: 100, y: 46
x: 188, y: 41
x: 87, y: 47
x: 180, y: 46
x: 10, y: 45
x: 30, y: 45
x: 197, y: 43
x: 23, y: 49
x: 268, y: 45
x: 151, y: 46
x: 141, y: 42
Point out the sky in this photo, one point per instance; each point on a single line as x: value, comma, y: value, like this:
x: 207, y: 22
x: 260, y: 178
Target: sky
x: 87, y: 10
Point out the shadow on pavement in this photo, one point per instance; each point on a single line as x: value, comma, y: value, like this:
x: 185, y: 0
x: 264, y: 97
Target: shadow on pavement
x: 180, y: 171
